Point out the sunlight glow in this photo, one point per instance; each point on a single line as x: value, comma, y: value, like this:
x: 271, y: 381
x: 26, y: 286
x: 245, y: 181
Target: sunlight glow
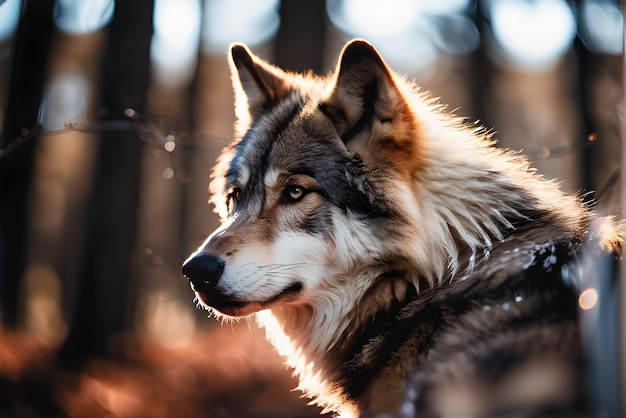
x: 278, y: 338
x: 66, y: 99
x: 250, y: 21
x: 410, y: 33
x: 308, y: 376
x: 588, y: 299
x: 533, y: 34
x: 9, y: 15
x: 375, y: 18
x: 79, y: 16
x: 174, y: 47
x: 603, y: 27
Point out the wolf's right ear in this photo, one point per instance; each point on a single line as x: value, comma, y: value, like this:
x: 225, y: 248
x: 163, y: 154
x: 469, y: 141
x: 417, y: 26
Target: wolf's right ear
x: 257, y: 84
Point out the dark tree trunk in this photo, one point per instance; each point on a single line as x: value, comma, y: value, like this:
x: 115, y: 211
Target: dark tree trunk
x: 17, y: 144
x: 105, y: 275
x: 300, y: 39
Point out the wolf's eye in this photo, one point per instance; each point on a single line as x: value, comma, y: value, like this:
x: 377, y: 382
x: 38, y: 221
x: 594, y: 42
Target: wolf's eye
x: 293, y: 194
x: 232, y: 198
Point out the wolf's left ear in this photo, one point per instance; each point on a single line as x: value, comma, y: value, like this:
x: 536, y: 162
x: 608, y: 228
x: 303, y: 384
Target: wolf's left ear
x: 365, y: 97
x: 257, y: 84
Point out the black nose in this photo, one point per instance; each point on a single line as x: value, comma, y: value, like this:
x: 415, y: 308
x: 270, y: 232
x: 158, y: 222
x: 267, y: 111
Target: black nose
x: 203, y: 270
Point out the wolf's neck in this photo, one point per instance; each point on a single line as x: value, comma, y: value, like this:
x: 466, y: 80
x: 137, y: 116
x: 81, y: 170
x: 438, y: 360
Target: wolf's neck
x: 463, y: 218
x: 470, y: 201
x: 304, y: 337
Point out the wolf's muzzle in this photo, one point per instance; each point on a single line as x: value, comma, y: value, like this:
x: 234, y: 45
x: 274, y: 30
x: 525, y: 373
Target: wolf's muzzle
x: 204, y: 271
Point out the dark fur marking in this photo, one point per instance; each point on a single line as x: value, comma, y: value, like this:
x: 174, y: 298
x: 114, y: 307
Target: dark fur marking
x: 334, y: 114
x: 317, y: 222
x: 256, y: 145
x: 434, y: 310
x: 346, y: 189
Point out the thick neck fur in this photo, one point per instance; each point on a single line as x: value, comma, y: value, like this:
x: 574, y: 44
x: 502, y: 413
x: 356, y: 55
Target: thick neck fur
x: 457, y: 206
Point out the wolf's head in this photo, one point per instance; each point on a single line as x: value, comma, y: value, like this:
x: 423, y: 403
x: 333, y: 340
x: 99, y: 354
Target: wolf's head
x: 337, y: 185
x: 304, y: 190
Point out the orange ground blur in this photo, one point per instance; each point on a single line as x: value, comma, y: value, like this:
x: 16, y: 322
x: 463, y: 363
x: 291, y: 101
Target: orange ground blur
x: 225, y: 373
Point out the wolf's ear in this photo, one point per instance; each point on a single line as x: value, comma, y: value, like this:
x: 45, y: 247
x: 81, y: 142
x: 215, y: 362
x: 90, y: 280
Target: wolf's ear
x: 366, y: 98
x: 257, y: 84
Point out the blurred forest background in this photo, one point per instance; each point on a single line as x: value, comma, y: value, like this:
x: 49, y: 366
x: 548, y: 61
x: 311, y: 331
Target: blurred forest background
x: 113, y: 113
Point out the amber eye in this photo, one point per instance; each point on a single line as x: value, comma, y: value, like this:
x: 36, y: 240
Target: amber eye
x: 232, y: 198
x: 293, y: 194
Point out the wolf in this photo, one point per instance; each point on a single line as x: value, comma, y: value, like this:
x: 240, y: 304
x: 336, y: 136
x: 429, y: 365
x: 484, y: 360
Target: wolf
x: 381, y: 240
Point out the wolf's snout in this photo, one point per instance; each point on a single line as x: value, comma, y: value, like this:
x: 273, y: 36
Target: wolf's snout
x: 203, y: 270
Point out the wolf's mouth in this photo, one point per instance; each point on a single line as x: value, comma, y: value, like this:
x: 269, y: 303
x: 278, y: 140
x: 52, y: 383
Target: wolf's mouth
x: 290, y: 291
x: 235, y: 307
